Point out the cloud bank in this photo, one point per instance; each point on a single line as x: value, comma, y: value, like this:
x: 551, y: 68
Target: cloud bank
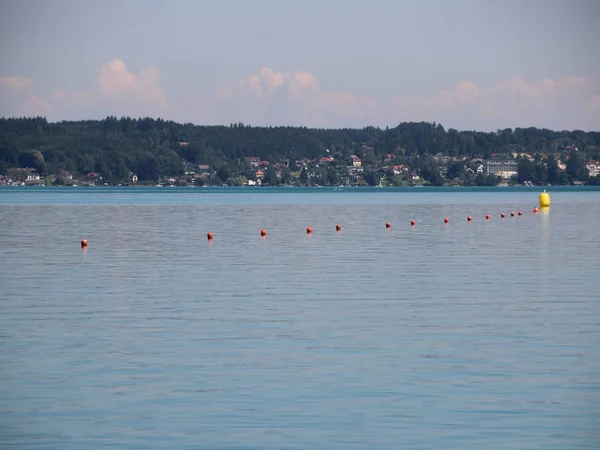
x: 117, y: 91
x: 275, y: 98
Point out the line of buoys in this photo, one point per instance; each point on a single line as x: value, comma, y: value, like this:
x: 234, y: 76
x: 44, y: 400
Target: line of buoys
x: 338, y: 227
x: 544, y: 201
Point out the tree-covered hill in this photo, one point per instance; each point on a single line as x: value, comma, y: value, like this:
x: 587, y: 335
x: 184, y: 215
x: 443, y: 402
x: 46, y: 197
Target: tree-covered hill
x: 154, y: 148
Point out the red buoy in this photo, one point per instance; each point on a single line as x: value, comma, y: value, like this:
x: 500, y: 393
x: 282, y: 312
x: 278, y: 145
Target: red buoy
x: 413, y: 223
x: 388, y: 225
x: 535, y: 210
x: 263, y: 232
x: 487, y: 217
x: 512, y: 214
x: 308, y: 230
x: 520, y: 213
x: 502, y: 215
x: 209, y: 236
x: 469, y: 218
x: 338, y: 227
x: 446, y: 220
x: 84, y: 242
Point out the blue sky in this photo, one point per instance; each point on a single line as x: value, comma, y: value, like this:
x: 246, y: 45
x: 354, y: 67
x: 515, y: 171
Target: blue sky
x: 465, y: 64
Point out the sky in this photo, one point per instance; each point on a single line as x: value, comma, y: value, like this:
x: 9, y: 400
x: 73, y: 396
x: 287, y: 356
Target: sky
x: 466, y: 64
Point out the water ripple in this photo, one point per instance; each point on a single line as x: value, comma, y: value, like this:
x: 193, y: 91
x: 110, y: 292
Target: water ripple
x: 466, y: 335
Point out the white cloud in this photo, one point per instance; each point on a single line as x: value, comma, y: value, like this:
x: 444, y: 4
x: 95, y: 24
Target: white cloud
x: 17, y: 98
x: 36, y: 106
x: 118, y: 91
x: 16, y: 83
x: 296, y: 98
x: 512, y: 102
x: 291, y: 98
x: 126, y: 88
x: 270, y: 97
x: 593, y: 103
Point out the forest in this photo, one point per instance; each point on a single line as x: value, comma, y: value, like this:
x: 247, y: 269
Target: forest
x: 153, y: 149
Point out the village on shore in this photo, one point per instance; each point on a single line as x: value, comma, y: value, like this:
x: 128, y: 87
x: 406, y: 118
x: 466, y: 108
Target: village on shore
x: 154, y: 152
x: 325, y: 171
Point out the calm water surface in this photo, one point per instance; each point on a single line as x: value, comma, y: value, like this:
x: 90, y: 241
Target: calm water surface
x: 482, y: 335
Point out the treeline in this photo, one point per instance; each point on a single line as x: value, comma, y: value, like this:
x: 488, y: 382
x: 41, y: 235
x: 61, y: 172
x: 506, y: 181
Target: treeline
x: 152, y: 148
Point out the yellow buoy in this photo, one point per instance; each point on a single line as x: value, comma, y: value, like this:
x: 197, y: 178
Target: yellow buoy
x: 544, y: 199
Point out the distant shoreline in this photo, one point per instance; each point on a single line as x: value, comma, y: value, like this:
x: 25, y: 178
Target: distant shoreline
x: 283, y: 189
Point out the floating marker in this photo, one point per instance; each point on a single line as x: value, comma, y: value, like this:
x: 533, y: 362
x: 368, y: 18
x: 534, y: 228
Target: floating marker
x: 487, y: 217
x: 512, y: 214
x: 338, y: 227
x: 520, y: 213
x: 388, y: 225
x: 413, y: 223
x: 469, y: 218
x: 446, y: 220
x: 84, y: 243
x: 308, y: 230
x: 209, y: 236
x: 535, y: 210
x: 263, y: 232
x: 544, y: 199
x: 502, y: 215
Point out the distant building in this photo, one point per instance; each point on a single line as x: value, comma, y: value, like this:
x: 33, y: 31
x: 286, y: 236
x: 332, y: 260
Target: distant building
x: 594, y: 168
x: 398, y: 169
x: 66, y: 174
x: 355, y: 169
x: 504, y: 168
x: 33, y: 176
x: 253, y: 160
x: 439, y: 157
x: 523, y: 155
x: 356, y: 162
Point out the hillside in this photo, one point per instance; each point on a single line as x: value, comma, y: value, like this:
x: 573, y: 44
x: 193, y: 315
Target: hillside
x: 114, y: 150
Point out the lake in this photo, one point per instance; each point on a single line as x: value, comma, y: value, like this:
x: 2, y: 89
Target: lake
x: 466, y: 335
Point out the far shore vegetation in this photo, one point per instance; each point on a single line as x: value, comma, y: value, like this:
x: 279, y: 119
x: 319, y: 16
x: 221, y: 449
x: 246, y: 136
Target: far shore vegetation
x: 129, y: 151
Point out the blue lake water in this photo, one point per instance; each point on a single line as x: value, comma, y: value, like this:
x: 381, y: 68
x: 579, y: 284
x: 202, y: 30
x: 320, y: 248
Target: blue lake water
x: 481, y: 335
